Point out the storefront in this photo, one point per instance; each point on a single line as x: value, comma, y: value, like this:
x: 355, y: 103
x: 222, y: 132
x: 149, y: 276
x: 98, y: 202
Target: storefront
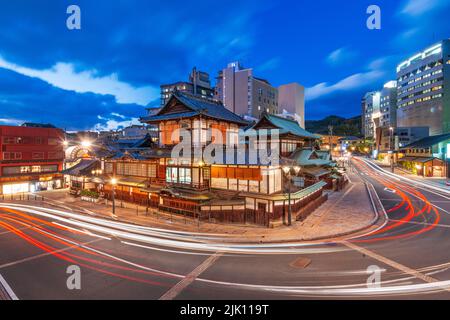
x: 423, y: 166
x: 40, y: 184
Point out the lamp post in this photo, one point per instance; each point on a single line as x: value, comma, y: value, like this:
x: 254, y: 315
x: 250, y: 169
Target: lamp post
x: 113, y: 183
x: 391, y: 134
x: 287, y: 170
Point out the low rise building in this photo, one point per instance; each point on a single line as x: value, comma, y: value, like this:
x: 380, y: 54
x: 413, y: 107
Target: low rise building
x: 232, y: 186
x: 31, y: 158
x: 427, y: 157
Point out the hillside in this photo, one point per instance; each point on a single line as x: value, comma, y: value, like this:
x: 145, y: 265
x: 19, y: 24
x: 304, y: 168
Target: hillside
x: 341, y: 126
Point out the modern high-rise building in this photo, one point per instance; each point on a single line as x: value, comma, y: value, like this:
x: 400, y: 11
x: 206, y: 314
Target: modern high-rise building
x: 370, y: 117
x: 198, y: 84
x: 388, y: 105
x: 291, y: 100
x: 243, y: 93
x: 424, y: 89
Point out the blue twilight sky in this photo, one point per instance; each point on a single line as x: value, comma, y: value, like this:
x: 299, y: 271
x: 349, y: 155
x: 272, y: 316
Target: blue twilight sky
x: 103, y: 75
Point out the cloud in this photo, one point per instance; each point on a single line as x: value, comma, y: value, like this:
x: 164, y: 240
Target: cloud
x: 418, y: 7
x: 112, y: 124
x: 115, y: 114
x: 351, y: 82
x: 340, y: 56
x: 425, y: 22
x: 268, y: 65
x: 25, y: 99
x: 11, y: 122
x: 63, y: 76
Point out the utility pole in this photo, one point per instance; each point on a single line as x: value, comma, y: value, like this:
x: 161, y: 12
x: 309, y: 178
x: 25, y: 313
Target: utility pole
x: 391, y: 135
x: 330, y: 135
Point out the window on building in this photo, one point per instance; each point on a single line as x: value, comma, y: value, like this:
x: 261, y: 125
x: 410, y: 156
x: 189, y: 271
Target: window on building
x: 37, y: 155
x: 12, y: 155
x: 53, y: 141
x: 9, y: 140
x: 184, y: 175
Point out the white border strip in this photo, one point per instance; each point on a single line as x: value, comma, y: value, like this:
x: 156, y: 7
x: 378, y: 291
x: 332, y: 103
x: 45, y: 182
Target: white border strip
x: 8, y: 289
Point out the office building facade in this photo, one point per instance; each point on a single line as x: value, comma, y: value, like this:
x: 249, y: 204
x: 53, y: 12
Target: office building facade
x: 388, y: 105
x: 243, y: 93
x: 370, y: 115
x: 291, y: 101
x: 424, y: 89
x: 198, y: 84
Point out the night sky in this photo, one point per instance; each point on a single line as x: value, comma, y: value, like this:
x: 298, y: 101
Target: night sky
x: 104, y: 75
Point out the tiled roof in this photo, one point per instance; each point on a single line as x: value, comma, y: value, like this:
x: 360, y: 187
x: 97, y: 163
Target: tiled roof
x: 199, y: 106
x: 428, y: 141
x: 302, y: 157
x: 349, y: 138
x: 288, y: 126
x: 84, y: 167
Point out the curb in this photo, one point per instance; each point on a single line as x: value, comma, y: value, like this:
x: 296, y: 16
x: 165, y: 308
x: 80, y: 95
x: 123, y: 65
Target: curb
x: 330, y: 238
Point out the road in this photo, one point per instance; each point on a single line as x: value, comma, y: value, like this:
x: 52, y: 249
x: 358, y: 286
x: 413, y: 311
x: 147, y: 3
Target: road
x: 122, y: 261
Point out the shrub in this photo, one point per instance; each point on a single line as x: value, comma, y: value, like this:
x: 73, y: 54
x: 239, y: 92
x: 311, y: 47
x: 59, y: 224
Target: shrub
x: 90, y: 194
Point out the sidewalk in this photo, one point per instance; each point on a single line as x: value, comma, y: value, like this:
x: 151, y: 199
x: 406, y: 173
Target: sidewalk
x: 345, y: 212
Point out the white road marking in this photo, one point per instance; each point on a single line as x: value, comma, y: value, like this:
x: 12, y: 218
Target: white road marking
x: 393, y: 264
x: 422, y: 223
x: 183, y: 284
x: 7, y: 288
x: 10, y: 264
x: 82, y: 231
x: 389, y: 176
x: 164, y: 250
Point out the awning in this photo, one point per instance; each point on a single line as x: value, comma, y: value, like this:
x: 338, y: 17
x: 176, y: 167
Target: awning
x: 152, y: 189
x: 418, y: 159
x: 406, y: 159
x: 315, y: 171
x: 424, y: 160
x: 187, y: 195
x: 132, y: 182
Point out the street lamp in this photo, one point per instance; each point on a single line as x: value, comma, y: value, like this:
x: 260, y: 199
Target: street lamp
x: 287, y: 170
x: 391, y: 134
x: 113, y: 183
x: 86, y: 144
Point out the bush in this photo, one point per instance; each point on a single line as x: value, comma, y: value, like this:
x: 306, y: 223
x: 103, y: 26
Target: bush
x: 90, y: 194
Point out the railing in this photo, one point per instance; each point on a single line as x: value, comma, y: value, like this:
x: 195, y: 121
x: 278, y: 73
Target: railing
x: 21, y: 197
x: 192, y: 185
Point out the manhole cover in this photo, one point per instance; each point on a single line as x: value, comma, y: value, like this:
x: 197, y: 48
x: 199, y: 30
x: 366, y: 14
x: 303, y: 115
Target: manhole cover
x: 300, y: 263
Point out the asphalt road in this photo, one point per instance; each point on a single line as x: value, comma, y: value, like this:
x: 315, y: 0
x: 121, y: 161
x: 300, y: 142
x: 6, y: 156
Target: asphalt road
x: 118, y: 261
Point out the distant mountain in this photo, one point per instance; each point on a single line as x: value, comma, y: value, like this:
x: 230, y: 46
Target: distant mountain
x: 341, y: 126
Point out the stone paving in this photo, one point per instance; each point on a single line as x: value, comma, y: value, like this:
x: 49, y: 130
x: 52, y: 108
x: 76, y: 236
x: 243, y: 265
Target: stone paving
x: 345, y: 212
